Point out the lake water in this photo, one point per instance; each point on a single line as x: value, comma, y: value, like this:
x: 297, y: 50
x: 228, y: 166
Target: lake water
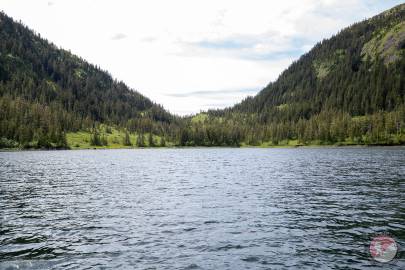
x: 200, y: 208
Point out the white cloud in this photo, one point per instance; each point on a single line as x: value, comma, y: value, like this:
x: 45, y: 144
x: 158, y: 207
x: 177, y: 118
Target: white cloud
x: 118, y: 36
x: 182, y: 46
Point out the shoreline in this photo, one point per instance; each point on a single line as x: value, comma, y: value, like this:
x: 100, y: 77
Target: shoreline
x: 212, y: 147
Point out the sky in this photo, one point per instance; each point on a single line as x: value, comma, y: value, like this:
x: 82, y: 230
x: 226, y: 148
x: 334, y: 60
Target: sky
x: 191, y: 55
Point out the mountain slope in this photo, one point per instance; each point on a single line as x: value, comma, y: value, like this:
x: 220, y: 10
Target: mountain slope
x: 359, y: 71
x: 348, y: 89
x: 46, y: 92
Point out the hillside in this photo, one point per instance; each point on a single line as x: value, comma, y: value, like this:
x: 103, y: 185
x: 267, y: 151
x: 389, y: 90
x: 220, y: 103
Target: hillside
x: 46, y: 92
x: 348, y: 89
x: 359, y: 71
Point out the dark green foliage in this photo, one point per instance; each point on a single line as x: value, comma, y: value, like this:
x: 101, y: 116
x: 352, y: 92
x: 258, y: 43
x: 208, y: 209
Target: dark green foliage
x: 347, y: 89
x: 127, y: 139
x: 108, y: 130
x: 210, y: 132
x: 45, y: 90
x: 151, y: 141
x: 95, y: 139
x: 334, y: 75
x: 6, y: 143
x: 140, y: 140
x: 162, y: 142
x: 104, y: 141
x: 320, y: 97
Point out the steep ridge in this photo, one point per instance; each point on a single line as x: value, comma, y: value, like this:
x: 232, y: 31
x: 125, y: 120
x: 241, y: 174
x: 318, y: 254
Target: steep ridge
x: 350, y: 88
x: 46, y: 91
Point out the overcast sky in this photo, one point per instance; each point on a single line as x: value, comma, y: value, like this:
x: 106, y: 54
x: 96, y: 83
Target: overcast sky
x: 191, y: 55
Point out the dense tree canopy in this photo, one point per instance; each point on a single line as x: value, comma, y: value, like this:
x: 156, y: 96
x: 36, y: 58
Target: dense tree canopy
x: 45, y: 90
x: 349, y: 89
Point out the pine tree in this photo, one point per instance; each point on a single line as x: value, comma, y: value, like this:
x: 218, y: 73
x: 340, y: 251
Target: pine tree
x: 140, y: 140
x: 103, y: 140
x: 162, y: 142
x: 151, y: 142
x: 127, y: 139
x: 95, y: 139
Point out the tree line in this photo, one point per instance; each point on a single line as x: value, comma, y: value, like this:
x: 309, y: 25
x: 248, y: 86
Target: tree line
x: 336, y: 93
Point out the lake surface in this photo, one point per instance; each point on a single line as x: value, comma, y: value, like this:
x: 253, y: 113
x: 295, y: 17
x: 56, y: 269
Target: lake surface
x: 200, y: 208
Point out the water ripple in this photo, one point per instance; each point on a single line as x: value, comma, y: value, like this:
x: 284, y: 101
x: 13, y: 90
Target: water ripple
x: 200, y: 208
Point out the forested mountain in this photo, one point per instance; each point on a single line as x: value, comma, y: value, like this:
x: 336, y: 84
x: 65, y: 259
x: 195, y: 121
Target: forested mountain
x: 46, y: 91
x: 358, y: 71
x: 348, y: 89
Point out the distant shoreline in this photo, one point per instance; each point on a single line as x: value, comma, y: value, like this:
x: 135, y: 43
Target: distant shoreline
x: 212, y: 147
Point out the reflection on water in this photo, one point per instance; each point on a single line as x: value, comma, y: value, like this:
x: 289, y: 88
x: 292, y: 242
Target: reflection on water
x: 200, y: 208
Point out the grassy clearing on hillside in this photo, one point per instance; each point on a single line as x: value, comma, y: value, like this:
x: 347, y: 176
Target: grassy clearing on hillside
x: 387, y: 44
x: 324, y: 67
x: 115, y: 139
